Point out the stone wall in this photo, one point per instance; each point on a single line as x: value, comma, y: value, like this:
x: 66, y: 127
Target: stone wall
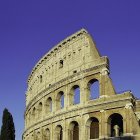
x: 70, y: 68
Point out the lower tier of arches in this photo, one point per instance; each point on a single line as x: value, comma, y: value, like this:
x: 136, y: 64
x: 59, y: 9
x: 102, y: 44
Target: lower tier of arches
x: 95, y: 125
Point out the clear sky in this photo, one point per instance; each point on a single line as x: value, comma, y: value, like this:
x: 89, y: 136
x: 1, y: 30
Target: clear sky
x: 29, y: 28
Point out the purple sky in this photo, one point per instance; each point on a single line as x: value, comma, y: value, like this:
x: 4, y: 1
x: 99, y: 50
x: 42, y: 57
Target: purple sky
x: 29, y: 28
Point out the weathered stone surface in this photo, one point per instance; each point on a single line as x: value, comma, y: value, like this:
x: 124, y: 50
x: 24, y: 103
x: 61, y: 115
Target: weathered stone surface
x: 75, y: 64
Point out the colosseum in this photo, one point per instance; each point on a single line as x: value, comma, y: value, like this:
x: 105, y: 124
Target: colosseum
x: 70, y: 96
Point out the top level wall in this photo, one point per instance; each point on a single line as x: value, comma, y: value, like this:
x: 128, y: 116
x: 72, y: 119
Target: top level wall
x: 72, y: 55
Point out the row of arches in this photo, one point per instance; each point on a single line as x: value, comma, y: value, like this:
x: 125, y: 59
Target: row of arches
x: 60, y: 100
x: 115, y: 128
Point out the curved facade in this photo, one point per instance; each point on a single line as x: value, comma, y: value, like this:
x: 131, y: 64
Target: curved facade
x: 70, y: 96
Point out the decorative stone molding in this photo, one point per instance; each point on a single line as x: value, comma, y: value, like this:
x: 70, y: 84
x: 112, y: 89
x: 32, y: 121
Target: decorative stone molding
x: 102, y: 111
x: 105, y: 71
x: 104, y: 96
x: 128, y: 106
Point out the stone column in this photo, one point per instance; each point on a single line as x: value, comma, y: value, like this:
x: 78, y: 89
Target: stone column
x: 104, y: 74
x: 103, y: 130
x: 84, y: 95
x: 82, y: 128
x: 87, y: 132
x: 43, y: 108
x: 66, y: 97
x: 54, y: 103
x: 128, y: 123
x: 70, y: 97
x: 64, y: 128
x: 67, y: 134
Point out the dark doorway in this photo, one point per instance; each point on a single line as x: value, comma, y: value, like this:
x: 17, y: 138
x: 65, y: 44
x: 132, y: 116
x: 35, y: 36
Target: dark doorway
x: 76, y: 131
x: 116, y: 125
x: 94, y: 129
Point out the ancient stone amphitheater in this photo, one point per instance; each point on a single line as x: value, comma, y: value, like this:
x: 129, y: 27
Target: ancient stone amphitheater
x: 70, y: 96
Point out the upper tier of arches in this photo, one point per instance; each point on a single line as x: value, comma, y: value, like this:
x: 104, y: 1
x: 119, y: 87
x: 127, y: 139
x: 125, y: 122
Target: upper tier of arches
x: 73, y: 55
x: 62, y: 100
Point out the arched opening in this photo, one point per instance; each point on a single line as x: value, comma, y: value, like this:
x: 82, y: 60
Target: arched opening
x: 94, y: 128
x: 74, y: 131
x: 61, y: 63
x: 49, y: 105
x: 38, y: 136
x: 47, y: 134
x: 59, y: 133
x: 41, y: 78
x: 40, y: 110
x: 115, y: 123
x: 76, y: 94
x: 34, y: 114
x: 60, y: 100
x: 93, y: 87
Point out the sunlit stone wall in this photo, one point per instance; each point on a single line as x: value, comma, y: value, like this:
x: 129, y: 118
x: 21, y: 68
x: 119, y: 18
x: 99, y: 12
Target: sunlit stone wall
x: 70, y: 95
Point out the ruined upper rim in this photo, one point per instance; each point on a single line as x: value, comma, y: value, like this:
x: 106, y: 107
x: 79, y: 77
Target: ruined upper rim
x: 55, y: 48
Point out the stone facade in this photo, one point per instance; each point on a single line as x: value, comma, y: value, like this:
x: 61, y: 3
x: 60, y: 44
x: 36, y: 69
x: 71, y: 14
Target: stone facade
x: 61, y: 103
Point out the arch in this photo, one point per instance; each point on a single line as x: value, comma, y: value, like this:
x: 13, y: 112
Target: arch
x: 40, y: 110
x: 59, y: 133
x: 60, y: 100
x: 92, y: 128
x: 38, y: 136
x: 47, y: 134
x: 115, y: 125
x: 41, y: 78
x: 61, y: 62
x: 74, y: 97
x: 74, y: 131
x: 93, y: 89
x: 34, y: 114
x: 49, y: 105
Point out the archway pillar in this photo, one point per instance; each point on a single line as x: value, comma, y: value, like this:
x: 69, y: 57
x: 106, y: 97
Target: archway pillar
x: 70, y: 99
x: 128, y: 120
x: 103, y: 126
x: 42, y: 134
x: 65, y: 127
x: 82, y: 132
x: 43, y: 109
x: 54, y: 102
x: 85, y: 132
x: 68, y: 134
x: 84, y: 95
x: 106, y: 86
x: 57, y: 135
x: 66, y: 98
